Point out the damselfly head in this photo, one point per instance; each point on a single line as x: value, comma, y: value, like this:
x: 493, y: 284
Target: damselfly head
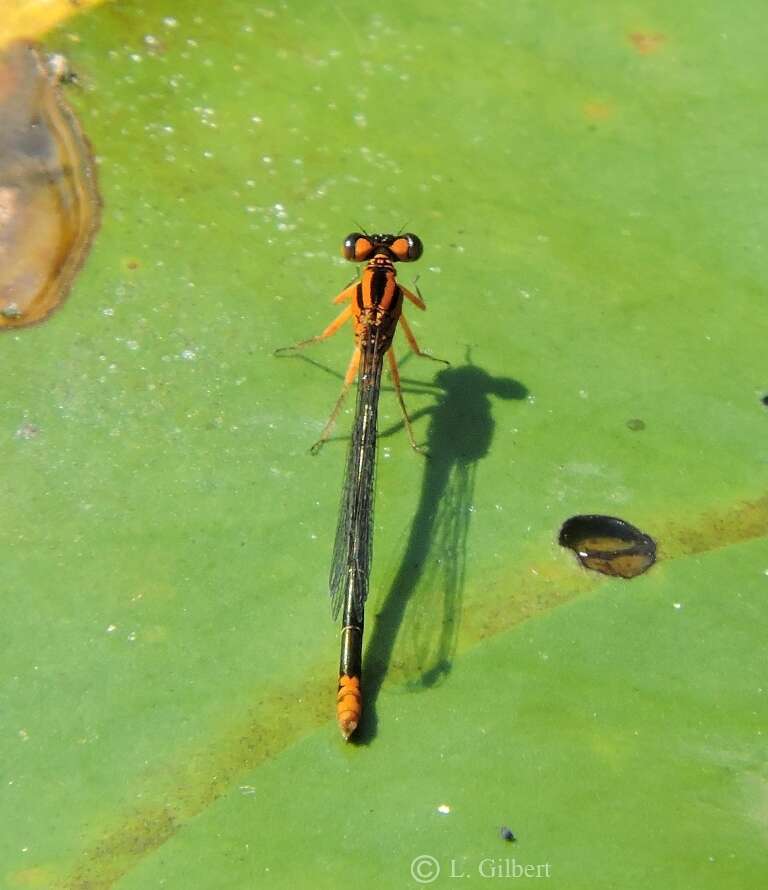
x: 358, y: 248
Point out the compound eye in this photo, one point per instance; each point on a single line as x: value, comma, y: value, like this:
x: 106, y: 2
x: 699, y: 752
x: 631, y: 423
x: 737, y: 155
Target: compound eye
x: 357, y: 248
x: 407, y: 247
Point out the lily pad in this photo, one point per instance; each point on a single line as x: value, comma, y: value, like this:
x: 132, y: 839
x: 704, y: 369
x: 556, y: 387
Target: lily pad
x: 588, y: 182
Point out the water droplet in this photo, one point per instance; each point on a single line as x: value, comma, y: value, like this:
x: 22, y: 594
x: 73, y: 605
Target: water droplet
x: 49, y: 202
x: 608, y: 545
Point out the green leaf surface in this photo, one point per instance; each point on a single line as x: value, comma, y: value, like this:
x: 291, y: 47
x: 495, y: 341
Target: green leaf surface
x: 590, y: 183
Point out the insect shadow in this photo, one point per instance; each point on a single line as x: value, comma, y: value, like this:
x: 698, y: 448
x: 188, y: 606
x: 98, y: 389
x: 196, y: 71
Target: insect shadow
x: 429, y: 581
x: 459, y: 436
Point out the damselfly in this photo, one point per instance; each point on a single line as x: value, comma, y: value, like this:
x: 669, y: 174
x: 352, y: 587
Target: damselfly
x: 375, y: 309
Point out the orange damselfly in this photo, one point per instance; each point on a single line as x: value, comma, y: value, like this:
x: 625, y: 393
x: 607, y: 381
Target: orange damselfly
x: 375, y: 309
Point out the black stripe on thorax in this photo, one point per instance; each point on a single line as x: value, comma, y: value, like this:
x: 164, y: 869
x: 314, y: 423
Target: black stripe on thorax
x: 379, y: 281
